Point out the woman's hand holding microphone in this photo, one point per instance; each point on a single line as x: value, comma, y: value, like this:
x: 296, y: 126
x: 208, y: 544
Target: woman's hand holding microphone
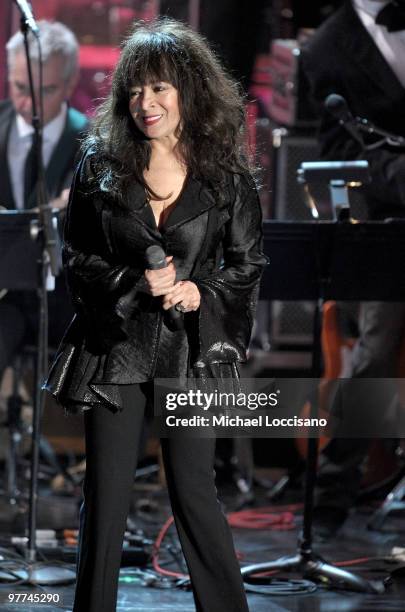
x: 183, y: 295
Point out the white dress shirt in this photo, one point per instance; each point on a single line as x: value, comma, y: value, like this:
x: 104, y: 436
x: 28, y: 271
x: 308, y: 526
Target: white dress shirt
x: 19, y: 144
x: 390, y: 44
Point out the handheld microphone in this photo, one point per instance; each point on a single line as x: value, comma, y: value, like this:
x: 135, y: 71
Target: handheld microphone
x: 26, y: 13
x: 156, y: 260
x: 337, y: 106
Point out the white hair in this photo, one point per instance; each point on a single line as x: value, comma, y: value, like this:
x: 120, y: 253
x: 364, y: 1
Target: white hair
x: 55, y: 38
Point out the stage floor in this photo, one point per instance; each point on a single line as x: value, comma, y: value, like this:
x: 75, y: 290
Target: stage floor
x: 151, y: 509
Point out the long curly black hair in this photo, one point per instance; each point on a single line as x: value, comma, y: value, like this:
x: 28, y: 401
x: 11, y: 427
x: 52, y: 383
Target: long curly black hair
x: 212, y: 141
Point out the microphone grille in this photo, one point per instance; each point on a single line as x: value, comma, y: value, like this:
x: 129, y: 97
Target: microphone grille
x: 336, y: 105
x: 155, y: 255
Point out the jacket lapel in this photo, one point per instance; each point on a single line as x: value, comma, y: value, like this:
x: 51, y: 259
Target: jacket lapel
x: 62, y: 155
x: 361, y: 48
x: 139, y: 207
x: 194, y: 200
x: 6, y: 193
x: 59, y: 171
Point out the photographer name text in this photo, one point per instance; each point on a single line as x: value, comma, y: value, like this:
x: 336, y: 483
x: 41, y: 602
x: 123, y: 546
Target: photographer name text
x: 225, y: 420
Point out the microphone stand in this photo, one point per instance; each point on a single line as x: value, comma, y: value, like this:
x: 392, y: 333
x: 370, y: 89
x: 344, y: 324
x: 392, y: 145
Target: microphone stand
x: 337, y: 106
x: 364, y: 125
x: 46, y: 232
x: 306, y: 561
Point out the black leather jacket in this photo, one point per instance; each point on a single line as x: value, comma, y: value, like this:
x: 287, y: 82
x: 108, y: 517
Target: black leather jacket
x: 118, y: 335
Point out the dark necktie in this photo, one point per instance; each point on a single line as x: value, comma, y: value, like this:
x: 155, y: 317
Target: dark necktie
x: 30, y: 178
x: 392, y: 16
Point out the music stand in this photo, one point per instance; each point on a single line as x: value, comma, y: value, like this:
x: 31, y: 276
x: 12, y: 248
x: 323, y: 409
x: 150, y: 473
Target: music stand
x: 322, y: 261
x: 21, y: 268
x: 18, y: 271
x: 340, y: 175
x: 18, y: 252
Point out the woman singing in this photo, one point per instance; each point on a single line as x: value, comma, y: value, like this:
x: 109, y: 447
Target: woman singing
x: 163, y: 165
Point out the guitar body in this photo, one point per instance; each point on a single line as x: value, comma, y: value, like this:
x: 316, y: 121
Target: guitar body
x: 336, y: 352
x: 382, y: 463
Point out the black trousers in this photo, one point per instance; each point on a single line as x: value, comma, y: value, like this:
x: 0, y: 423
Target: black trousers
x: 112, y: 441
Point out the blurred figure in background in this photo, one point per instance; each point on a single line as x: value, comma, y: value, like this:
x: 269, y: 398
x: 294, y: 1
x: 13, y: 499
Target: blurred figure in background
x: 359, y: 53
x: 62, y: 129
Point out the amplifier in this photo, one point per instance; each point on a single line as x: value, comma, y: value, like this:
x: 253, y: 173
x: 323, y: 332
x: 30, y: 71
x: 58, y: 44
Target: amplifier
x: 291, y: 323
x: 289, y: 148
x: 290, y: 104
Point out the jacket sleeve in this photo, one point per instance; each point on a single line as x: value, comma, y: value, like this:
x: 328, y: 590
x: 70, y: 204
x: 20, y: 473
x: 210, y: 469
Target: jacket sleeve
x: 229, y: 295
x: 103, y: 290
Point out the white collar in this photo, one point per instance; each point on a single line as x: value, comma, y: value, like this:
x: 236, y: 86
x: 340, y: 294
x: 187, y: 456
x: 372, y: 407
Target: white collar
x: 370, y: 7
x: 52, y: 130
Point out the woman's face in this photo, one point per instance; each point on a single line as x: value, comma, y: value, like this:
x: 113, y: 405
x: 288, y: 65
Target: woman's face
x: 155, y: 109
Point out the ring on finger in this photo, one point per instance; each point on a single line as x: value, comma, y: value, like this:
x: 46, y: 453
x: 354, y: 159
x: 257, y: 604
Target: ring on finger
x: 180, y: 308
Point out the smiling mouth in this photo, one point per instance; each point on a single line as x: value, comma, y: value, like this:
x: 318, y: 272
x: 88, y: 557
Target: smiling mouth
x: 151, y: 120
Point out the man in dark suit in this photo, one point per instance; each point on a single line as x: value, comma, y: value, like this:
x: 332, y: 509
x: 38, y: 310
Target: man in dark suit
x: 359, y: 53
x: 62, y: 129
